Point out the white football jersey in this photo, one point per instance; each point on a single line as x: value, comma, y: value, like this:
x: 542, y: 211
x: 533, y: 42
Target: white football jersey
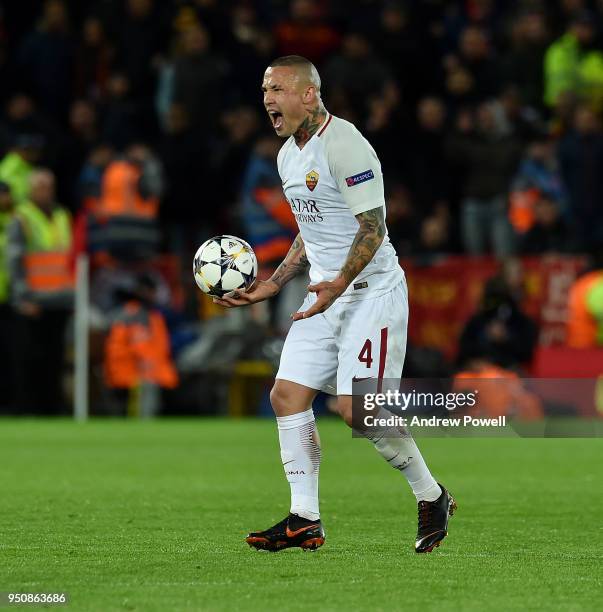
x: 336, y: 176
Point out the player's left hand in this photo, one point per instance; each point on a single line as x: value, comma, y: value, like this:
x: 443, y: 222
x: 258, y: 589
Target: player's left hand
x: 327, y: 292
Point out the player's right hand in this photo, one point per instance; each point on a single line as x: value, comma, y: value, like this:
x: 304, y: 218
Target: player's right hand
x: 261, y: 290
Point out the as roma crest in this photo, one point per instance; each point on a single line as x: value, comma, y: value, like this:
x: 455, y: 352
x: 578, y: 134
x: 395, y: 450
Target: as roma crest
x: 311, y: 180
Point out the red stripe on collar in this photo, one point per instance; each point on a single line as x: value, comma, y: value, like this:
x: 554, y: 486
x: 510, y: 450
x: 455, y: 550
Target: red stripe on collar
x: 324, y: 127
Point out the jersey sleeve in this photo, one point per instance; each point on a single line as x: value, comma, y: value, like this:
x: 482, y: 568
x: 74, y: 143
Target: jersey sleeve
x: 356, y: 169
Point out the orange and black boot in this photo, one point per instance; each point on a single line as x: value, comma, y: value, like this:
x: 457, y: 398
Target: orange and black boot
x: 293, y: 531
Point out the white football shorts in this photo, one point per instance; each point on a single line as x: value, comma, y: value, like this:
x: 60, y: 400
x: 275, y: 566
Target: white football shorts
x: 350, y: 341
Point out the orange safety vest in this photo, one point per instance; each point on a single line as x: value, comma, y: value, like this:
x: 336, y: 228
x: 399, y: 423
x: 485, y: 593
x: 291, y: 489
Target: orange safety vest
x: 47, y: 261
x: 120, y: 195
x: 138, y: 350
x: 48, y: 271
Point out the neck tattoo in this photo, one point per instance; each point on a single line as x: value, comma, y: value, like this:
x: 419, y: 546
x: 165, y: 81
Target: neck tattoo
x: 309, y: 126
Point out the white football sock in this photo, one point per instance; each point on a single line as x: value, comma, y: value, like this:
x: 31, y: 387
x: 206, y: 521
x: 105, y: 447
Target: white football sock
x: 400, y: 451
x: 300, y: 453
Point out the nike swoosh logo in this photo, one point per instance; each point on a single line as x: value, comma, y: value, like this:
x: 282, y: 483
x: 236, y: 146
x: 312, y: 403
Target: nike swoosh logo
x: 292, y: 534
x: 356, y: 379
x: 290, y: 460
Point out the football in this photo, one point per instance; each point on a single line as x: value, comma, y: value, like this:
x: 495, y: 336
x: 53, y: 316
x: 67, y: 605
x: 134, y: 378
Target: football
x: 223, y: 264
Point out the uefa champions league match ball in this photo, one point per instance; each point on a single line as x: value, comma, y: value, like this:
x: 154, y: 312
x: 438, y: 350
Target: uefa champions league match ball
x: 223, y: 264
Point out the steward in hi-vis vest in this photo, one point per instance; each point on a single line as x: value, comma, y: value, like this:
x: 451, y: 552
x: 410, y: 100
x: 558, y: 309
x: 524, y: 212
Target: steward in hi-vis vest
x: 138, y: 361
x: 123, y: 219
x: 138, y: 349
x: 39, y: 248
x: 41, y: 286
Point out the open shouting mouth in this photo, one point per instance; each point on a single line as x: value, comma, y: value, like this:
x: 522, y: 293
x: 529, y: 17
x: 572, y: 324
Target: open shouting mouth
x: 277, y: 119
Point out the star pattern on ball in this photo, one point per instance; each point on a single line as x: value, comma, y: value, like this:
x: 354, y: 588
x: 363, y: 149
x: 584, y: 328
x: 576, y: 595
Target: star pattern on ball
x: 223, y: 264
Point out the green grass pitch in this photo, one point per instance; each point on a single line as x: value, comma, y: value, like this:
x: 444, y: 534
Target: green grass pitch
x: 129, y: 515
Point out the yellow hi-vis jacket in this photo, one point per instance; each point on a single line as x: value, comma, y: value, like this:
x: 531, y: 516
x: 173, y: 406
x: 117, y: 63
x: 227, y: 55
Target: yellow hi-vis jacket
x: 48, y: 239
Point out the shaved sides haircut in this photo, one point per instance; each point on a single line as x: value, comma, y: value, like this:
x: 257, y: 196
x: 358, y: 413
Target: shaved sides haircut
x: 305, y: 65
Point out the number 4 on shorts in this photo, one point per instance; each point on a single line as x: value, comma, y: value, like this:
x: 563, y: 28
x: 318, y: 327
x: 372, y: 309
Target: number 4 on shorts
x: 366, y: 352
x: 366, y: 355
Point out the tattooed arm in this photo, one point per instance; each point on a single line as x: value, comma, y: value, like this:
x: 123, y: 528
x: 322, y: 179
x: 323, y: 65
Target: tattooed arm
x: 368, y: 239
x: 366, y: 242
x: 295, y: 263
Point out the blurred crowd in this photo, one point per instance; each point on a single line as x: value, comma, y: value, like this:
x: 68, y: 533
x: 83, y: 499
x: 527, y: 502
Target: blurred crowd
x: 141, y: 122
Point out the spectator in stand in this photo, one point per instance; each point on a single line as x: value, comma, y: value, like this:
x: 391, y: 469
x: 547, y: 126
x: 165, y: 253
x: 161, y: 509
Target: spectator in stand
x: 488, y: 160
x: 581, y: 162
x: 39, y: 250
x: 499, y: 332
x: 46, y: 58
x: 213, y: 15
x: 358, y: 75
x: 184, y: 155
x: 95, y: 55
x: 402, y: 219
x: 141, y: 34
x: 475, y: 61
x: 427, y: 165
x: 514, y: 117
x: 230, y: 156
x: 477, y: 54
x: 384, y: 129
x: 22, y: 117
x: 459, y: 85
x: 538, y: 177
x: 304, y: 33
x: 434, y: 236
x: 200, y: 79
x: 78, y: 143
x: 120, y: 114
x: 407, y: 51
x: 574, y: 63
x: 549, y: 233
x: 523, y: 65
x: 252, y: 48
